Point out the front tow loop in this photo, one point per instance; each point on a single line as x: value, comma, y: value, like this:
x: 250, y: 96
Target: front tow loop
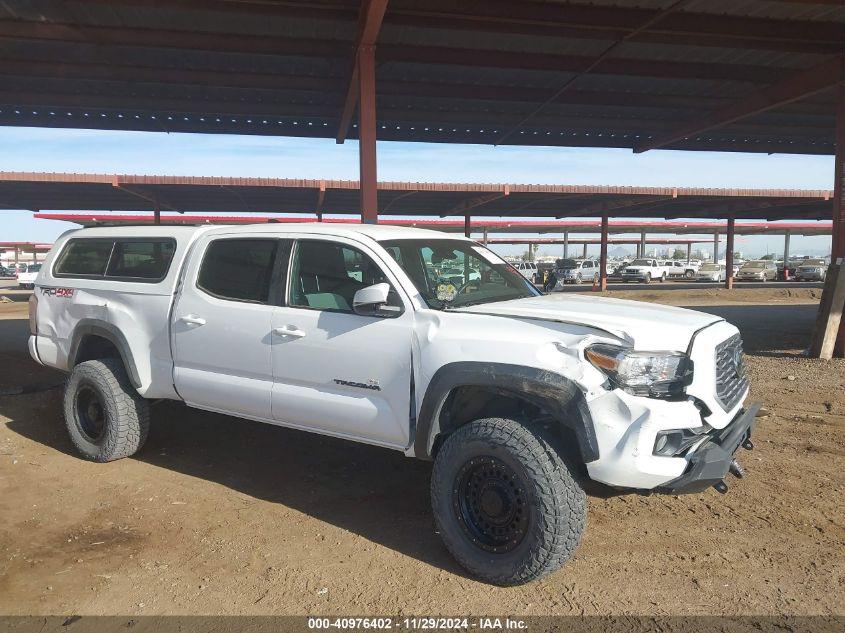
x: 735, y: 468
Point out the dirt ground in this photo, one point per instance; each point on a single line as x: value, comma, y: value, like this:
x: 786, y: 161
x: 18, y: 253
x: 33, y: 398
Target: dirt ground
x: 222, y: 516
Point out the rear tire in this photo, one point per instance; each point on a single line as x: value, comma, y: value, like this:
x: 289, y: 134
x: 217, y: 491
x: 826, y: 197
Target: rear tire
x: 647, y: 279
x: 104, y: 415
x: 506, y: 505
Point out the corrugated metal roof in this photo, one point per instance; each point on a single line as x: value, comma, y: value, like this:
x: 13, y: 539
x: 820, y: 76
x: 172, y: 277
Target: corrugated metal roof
x: 448, y: 70
x: 125, y: 192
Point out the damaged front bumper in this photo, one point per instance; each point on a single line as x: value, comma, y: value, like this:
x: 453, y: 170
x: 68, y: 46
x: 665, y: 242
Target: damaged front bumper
x: 711, y: 462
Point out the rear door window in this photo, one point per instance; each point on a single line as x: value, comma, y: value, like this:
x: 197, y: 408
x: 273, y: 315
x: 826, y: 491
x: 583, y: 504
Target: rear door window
x: 239, y: 269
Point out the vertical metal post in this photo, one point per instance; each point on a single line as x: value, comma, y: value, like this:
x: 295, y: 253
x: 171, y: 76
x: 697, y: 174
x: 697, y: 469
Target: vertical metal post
x: 584, y: 252
x: 786, y: 236
x: 716, y: 247
x: 642, y: 245
x: 366, y: 61
x: 467, y: 226
x: 838, y: 242
x: 603, y: 254
x: 689, y: 252
x: 485, y: 236
x: 729, y: 255
x: 156, y: 211
x: 17, y: 255
x: 639, y: 250
x: 565, y: 244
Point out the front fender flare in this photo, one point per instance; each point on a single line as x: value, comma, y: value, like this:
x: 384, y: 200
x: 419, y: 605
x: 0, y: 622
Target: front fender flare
x: 556, y: 394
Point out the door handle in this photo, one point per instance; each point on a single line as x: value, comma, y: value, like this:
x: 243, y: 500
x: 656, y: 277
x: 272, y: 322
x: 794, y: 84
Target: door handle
x: 192, y: 319
x: 289, y: 330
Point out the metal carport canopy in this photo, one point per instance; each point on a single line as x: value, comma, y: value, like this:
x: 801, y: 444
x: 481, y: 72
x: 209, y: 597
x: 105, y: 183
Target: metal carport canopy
x: 492, y: 227
x: 121, y: 192
x: 703, y: 75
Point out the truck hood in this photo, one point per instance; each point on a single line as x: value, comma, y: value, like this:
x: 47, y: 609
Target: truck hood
x: 647, y: 326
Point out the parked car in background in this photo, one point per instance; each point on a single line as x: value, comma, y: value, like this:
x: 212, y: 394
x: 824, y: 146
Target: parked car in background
x: 527, y: 270
x: 811, y: 270
x: 644, y: 270
x: 6, y: 272
x: 26, y: 279
x: 759, y: 270
x: 677, y: 268
x: 711, y: 272
x: 576, y: 271
x: 615, y: 270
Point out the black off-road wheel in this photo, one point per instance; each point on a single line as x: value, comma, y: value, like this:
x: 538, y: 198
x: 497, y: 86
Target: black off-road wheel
x: 104, y: 415
x: 507, y: 506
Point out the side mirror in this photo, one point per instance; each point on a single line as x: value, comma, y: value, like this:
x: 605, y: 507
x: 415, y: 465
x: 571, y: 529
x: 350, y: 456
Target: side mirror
x: 372, y: 301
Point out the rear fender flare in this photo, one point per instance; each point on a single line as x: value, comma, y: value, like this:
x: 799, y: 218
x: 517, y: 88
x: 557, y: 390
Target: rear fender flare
x: 87, y: 327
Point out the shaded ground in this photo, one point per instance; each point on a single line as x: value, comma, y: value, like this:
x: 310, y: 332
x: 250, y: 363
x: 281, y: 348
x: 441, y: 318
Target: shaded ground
x: 223, y: 516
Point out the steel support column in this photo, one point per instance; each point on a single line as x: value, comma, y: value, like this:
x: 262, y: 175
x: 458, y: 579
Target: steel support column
x: 584, y: 252
x: 642, y: 244
x: 485, y: 236
x: 565, y: 244
x: 689, y: 252
x: 838, y: 244
x: 729, y: 255
x: 716, y: 247
x: 156, y: 212
x: 467, y: 226
x: 603, y: 254
x: 786, y: 236
x: 366, y: 61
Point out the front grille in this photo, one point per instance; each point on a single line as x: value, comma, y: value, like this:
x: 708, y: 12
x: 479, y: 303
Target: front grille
x: 731, y: 378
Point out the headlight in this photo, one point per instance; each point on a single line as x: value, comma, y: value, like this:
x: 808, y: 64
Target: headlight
x: 655, y: 374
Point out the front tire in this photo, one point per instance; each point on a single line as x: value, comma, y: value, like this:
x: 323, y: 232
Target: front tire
x: 506, y: 505
x: 104, y: 415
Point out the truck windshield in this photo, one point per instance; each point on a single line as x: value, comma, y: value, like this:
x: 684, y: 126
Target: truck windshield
x: 640, y: 262
x: 452, y: 273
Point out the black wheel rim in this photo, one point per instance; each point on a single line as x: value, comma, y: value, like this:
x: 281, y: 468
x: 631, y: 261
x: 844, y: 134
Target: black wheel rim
x: 490, y: 504
x: 90, y: 413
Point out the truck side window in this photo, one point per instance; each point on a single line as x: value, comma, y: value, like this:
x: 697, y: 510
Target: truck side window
x: 238, y: 269
x: 144, y: 260
x: 84, y: 258
x: 326, y: 275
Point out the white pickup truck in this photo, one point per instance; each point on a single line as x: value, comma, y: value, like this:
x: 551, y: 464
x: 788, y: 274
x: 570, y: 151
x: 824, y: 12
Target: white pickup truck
x: 351, y: 331
x: 645, y: 270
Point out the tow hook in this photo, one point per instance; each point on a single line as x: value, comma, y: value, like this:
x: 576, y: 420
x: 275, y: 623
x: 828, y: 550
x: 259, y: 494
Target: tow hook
x: 748, y: 445
x: 721, y: 487
x: 737, y: 470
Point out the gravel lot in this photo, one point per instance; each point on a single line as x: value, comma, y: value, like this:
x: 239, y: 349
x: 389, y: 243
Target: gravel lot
x: 224, y: 516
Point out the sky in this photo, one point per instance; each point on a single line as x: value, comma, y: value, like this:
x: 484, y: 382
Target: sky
x: 58, y: 150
